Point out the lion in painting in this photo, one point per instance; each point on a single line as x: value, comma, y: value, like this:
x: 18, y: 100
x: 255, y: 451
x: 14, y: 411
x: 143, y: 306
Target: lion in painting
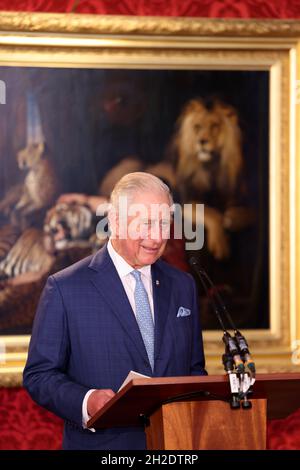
x: 207, y: 147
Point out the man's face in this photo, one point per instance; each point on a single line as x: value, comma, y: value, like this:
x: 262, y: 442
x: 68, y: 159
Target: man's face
x: 142, y: 229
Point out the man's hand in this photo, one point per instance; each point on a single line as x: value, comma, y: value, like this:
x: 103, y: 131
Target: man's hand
x: 98, y: 399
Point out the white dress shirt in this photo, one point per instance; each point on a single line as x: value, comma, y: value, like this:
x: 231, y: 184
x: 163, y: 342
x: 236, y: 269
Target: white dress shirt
x: 123, y: 269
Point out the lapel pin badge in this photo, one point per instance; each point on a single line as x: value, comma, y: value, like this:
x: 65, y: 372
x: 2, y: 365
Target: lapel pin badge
x: 157, y: 282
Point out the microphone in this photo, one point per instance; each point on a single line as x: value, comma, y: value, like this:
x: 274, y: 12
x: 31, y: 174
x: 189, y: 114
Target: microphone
x: 237, y: 347
x: 232, y: 348
x: 233, y: 381
x: 244, y: 349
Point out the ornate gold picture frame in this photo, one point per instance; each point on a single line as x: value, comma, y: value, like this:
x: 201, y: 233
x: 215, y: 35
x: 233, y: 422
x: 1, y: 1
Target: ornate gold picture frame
x: 88, y: 41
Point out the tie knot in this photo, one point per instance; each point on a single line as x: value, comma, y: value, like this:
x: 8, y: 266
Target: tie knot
x: 136, y: 274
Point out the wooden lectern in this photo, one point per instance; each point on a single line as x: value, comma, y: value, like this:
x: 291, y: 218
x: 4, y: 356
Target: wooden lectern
x: 189, y: 413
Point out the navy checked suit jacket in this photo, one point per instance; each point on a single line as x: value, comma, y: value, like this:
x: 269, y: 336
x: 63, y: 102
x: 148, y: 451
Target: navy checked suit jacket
x: 85, y: 336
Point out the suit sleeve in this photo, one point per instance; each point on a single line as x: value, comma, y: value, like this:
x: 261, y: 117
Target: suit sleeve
x: 45, y: 375
x: 198, y: 359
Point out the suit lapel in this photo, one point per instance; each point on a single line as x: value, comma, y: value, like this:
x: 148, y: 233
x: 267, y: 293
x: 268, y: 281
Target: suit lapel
x: 161, y: 298
x: 106, y: 280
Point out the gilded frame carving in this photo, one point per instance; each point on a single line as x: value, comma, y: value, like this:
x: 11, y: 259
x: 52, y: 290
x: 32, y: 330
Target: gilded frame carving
x: 89, y: 40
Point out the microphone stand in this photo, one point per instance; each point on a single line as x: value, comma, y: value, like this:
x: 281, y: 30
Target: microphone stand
x: 239, y: 338
x: 237, y: 353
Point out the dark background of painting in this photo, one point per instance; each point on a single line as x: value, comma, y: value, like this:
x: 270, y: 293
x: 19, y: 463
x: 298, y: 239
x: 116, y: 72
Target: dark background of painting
x: 88, y: 132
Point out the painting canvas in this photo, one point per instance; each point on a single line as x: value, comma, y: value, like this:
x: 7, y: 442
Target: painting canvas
x: 76, y: 130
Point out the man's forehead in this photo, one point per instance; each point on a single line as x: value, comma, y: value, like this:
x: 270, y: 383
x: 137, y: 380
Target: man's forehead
x: 148, y: 197
x: 149, y: 210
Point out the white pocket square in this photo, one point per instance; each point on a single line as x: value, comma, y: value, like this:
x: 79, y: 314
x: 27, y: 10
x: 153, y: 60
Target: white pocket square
x: 183, y: 312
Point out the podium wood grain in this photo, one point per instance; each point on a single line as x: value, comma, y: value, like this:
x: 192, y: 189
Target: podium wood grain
x: 208, y: 425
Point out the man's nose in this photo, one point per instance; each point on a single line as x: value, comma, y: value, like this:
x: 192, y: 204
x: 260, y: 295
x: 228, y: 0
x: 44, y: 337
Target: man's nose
x: 156, y: 233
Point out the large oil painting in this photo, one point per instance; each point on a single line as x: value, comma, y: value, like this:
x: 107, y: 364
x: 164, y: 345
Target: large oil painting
x: 70, y: 133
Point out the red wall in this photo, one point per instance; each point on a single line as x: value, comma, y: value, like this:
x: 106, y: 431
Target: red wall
x: 196, y: 8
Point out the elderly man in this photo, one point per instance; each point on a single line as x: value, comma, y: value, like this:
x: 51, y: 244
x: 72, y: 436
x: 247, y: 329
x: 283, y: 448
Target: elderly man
x: 113, y: 312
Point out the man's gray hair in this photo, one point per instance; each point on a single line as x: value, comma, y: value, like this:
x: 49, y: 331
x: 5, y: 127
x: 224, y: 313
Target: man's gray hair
x: 133, y: 183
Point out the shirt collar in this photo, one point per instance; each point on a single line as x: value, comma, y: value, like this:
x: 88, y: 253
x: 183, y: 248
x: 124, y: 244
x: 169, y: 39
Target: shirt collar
x: 122, y: 267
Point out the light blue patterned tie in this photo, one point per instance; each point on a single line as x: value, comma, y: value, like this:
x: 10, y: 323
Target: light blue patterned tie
x: 144, y: 316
